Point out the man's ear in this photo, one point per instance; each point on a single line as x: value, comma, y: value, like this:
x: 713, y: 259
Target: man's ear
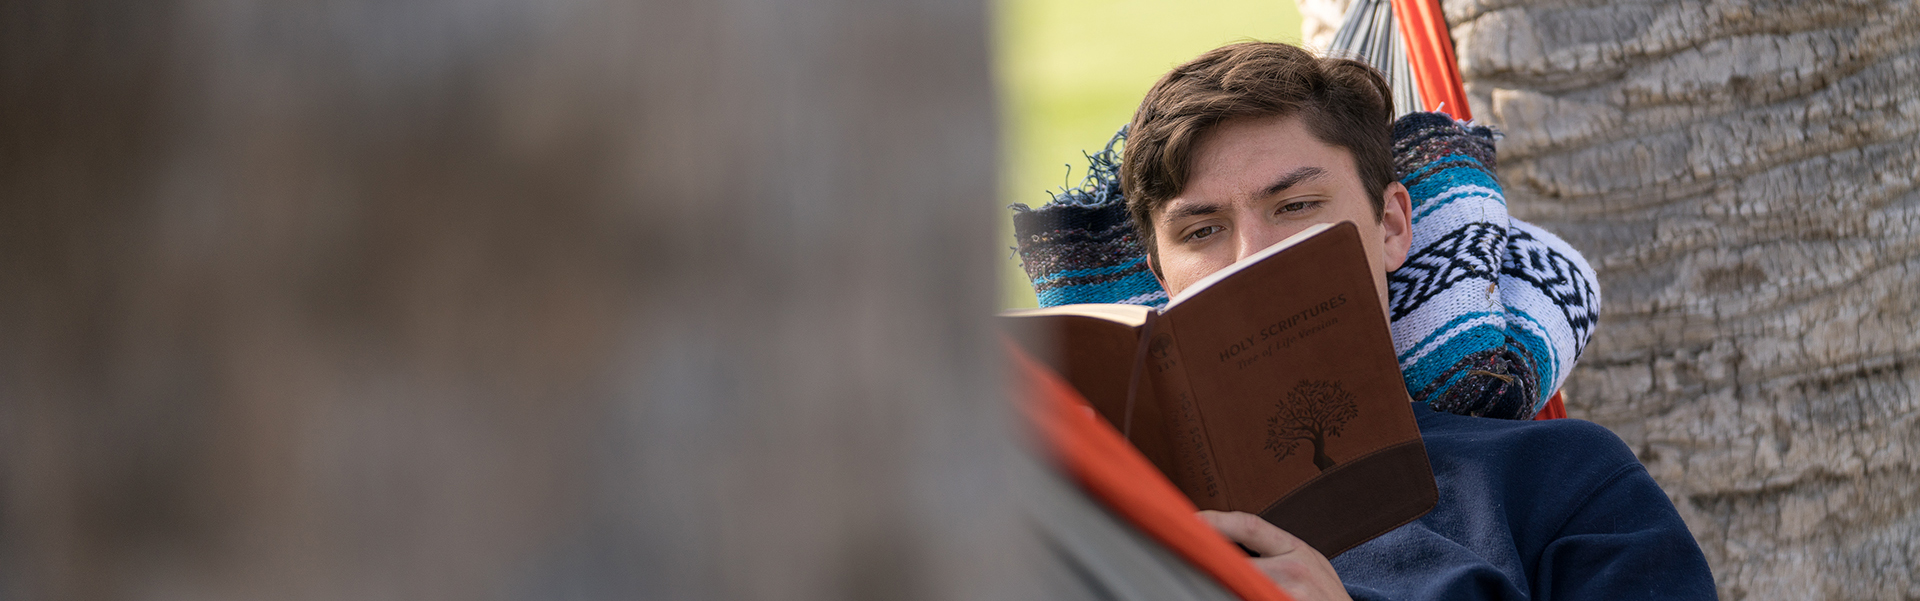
x: 1153, y: 265
x: 1396, y: 222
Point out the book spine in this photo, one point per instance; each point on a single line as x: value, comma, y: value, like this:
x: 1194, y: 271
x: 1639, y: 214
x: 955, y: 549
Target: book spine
x: 1199, y: 477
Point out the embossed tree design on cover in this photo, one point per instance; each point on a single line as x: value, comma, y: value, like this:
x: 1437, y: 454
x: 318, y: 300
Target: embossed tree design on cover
x: 1312, y: 412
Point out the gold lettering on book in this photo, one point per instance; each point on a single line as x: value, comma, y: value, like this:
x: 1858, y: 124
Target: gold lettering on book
x: 1268, y: 349
x: 1279, y: 328
x: 1262, y: 342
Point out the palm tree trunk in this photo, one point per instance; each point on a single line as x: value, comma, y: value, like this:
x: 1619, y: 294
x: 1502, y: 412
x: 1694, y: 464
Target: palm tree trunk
x: 1743, y: 177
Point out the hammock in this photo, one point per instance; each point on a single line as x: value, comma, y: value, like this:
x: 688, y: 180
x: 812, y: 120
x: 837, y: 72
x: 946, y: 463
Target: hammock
x: 1489, y: 313
x: 1418, y: 61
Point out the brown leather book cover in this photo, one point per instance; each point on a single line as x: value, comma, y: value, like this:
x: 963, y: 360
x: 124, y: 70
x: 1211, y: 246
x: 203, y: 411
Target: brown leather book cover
x: 1270, y: 387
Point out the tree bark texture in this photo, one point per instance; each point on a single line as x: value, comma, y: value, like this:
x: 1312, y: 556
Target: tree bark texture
x: 1319, y: 20
x: 1742, y: 176
x: 440, y: 299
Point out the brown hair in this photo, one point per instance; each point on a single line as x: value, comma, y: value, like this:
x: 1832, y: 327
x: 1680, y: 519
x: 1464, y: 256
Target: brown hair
x: 1344, y: 103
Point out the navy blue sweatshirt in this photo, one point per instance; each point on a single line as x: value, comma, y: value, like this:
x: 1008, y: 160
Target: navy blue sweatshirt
x: 1548, y: 510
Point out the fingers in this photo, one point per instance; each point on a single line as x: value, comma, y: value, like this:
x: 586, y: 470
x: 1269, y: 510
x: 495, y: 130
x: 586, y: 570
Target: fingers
x: 1254, y: 533
x: 1293, y: 565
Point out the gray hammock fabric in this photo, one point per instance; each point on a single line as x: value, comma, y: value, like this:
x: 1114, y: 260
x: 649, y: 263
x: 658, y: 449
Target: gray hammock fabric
x: 1368, y: 33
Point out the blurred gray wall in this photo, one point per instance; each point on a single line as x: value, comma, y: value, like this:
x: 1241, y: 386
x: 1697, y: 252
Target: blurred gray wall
x: 1742, y: 175
x: 440, y: 299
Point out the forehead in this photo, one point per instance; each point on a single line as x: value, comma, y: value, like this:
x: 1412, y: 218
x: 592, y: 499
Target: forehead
x: 1243, y: 156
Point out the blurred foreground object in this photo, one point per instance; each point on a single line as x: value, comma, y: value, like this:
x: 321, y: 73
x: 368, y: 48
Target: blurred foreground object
x: 1742, y: 177
x: 468, y: 300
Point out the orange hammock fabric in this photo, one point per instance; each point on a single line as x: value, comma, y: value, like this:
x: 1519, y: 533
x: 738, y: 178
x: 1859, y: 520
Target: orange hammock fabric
x: 1436, y: 74
x: 1555, y: 408
x: 1101, y: 461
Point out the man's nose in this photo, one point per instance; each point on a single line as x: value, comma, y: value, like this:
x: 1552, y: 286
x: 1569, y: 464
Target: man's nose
x: 1257, y: 237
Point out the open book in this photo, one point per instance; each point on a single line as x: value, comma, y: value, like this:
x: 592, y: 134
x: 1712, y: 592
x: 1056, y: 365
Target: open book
x: 1269, y: 387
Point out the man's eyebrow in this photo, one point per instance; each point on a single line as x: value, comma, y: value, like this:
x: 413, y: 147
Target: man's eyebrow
x: 1293, y: 178
x: 1192, y: 209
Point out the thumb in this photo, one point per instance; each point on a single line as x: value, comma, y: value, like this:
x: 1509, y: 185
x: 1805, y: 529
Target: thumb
x: 1252, y: 532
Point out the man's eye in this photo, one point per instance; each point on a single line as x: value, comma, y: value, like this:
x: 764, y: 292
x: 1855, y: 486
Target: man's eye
x: 1297, y: 206
x: 1203, y: 233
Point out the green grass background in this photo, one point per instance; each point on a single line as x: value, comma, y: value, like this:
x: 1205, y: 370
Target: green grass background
x: 1071, y: 71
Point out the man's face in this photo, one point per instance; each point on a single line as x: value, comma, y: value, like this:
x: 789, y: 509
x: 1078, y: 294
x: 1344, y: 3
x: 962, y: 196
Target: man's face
x: 1257, y: 181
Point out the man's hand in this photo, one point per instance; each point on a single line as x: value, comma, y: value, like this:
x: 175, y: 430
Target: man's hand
x: 1293, y: 565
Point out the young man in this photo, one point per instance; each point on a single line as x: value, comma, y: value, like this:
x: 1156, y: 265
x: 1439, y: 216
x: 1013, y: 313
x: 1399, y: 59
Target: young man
x: 1253, y: 142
